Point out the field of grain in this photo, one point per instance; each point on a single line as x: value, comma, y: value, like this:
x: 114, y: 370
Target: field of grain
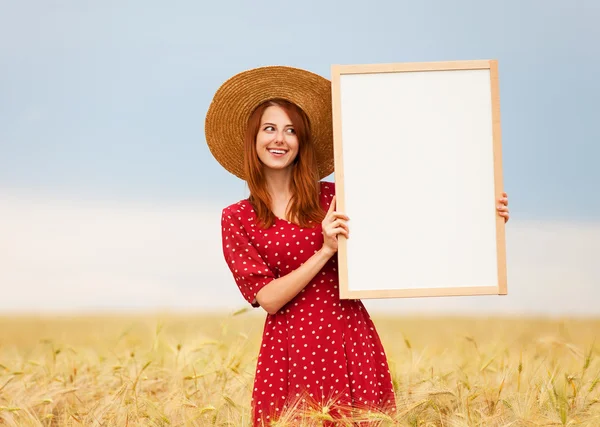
x: 169, y: 370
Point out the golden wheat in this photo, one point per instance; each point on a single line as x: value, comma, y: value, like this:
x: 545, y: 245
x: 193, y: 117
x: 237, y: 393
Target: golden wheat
x: 169, y: 370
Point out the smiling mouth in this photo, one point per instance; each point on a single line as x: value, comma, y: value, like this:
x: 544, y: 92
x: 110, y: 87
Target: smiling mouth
x: 276, y: 151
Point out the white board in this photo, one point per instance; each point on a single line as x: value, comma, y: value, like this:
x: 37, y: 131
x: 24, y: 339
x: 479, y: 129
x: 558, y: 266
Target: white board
x: 418, y: 171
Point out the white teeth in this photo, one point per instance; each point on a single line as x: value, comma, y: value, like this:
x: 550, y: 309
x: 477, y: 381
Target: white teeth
x: 277, y: 151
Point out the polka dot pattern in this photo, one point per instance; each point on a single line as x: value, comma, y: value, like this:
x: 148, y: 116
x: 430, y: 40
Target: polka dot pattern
x: 318, y: 351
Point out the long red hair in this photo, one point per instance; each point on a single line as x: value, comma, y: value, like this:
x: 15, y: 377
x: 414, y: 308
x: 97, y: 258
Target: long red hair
x: 304, y: 208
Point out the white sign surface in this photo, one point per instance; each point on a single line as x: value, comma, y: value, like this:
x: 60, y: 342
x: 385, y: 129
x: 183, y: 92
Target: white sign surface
x: 418, y: 171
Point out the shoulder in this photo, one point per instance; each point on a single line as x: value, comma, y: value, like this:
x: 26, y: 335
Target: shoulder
x: 238, y: 211
x: 327, y: 191
x: 238, y: 218
x: 327, y: 188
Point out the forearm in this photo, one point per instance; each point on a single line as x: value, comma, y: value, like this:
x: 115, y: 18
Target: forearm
x: 280, y: 291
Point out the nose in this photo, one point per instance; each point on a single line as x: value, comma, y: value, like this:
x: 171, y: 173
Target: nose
x: 279, y: 137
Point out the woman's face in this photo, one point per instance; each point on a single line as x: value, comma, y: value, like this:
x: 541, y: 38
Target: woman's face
x: 276, y: 141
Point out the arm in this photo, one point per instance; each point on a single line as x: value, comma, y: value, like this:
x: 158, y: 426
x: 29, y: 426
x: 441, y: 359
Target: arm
x: 279, y: 292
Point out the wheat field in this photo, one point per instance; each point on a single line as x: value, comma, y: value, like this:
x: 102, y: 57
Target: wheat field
x: 197, y: 370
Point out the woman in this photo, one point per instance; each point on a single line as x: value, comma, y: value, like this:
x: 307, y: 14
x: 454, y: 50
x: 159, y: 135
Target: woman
x: 319, y: 354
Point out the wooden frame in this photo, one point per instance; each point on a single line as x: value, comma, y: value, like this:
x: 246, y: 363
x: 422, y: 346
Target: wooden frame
x: 418, y: 169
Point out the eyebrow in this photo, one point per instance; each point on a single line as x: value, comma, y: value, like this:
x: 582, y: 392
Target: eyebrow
x: 273, y: 124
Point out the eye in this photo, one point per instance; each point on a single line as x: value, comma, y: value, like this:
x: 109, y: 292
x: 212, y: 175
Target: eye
x: 291, y: 131
x: 269, y: 128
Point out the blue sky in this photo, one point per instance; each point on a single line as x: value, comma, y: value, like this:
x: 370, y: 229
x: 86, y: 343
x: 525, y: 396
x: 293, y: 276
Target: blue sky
x: 104, y: 102
x: 109, y: 98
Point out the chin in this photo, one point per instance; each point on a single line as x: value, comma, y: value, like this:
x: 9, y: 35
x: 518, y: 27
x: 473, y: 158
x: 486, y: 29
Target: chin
x: 278, y: 167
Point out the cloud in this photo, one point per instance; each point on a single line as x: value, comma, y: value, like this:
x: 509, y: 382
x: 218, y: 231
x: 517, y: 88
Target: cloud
x: 70, y: 255
x: 552, y: 270
x: 76, y: 255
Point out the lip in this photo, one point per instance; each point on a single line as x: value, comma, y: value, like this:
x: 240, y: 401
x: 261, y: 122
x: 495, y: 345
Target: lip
x: 280, y: 152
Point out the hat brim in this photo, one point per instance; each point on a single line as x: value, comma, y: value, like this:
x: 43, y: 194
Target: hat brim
x: 238, y: 97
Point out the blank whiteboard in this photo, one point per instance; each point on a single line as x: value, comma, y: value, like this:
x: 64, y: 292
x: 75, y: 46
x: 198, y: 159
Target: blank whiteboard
x: 418, y: 170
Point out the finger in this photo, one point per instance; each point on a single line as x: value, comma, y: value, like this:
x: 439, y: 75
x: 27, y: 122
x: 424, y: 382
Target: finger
x: 339, y: 230
x: 340, y: 224
x: 336, y: 222
x: 337, y: 216
x: 334, y: 231
x: 331, y: 206
x: 331, y: 230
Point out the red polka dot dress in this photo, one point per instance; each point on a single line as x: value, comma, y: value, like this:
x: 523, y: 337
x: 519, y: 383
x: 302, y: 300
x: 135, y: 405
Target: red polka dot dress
x: 317, y: 352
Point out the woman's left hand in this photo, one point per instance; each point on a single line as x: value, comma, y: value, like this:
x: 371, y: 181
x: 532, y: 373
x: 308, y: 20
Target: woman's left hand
x: 503, y: 207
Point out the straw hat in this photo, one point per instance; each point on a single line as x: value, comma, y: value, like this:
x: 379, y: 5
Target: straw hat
x: 234, y: 101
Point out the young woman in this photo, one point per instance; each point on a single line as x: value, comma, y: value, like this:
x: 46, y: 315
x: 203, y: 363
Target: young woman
x: 272, y: 127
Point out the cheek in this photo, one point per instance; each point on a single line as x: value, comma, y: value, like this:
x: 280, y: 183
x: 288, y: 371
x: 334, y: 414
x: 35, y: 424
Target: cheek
x: 261, y: 140
x: 294, y: 143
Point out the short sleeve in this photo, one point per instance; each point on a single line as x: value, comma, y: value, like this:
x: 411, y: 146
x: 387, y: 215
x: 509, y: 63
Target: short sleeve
x: 249, y: 270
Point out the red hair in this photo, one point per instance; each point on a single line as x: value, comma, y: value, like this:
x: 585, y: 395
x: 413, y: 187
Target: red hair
x: 304, y: 208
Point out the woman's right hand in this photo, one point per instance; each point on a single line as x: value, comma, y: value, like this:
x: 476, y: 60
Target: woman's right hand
x: 333, y: 224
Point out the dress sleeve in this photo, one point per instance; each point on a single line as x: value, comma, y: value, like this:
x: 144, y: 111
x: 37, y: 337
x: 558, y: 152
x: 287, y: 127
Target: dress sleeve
x: 249, y: 270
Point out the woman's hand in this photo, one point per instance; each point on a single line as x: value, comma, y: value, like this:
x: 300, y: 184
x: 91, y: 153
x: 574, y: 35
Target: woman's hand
x: 333, y: 224
x: 277, y: 293
x: 503, y: 207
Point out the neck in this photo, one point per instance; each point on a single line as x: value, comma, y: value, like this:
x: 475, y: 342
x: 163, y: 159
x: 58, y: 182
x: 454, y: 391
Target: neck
x: 279, y: 183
